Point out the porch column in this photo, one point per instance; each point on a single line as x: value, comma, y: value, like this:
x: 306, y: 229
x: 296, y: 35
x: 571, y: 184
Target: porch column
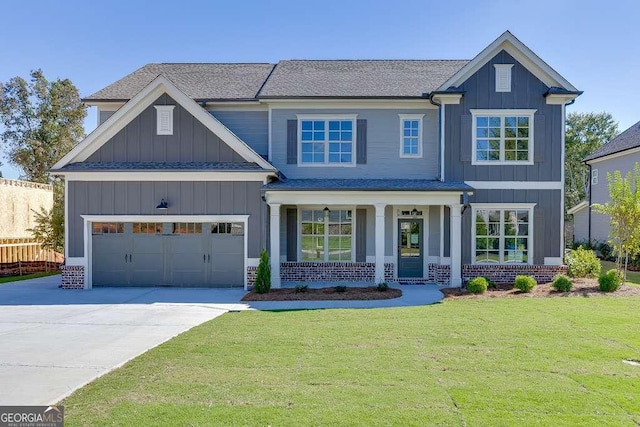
x: 455, y: 245
x: 379, y: 278
x: 274, y: 231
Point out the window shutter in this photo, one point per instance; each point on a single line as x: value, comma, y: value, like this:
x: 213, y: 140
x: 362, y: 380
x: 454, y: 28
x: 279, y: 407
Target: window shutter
x: 292, y: 234
x: 361, y: 143
x: 292, y: 142
x: 539, y: 133
x: 466, y: 150
x: 361, y: 235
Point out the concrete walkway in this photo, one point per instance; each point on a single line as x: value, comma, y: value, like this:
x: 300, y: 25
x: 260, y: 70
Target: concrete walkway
x: 54, y: 341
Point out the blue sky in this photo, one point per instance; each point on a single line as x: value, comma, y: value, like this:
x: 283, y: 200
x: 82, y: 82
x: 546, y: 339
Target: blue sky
x: 94, y: 43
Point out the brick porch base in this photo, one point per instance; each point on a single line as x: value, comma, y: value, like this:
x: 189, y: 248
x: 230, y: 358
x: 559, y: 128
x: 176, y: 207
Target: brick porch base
x: 72, y: 276
x: 505, y: 274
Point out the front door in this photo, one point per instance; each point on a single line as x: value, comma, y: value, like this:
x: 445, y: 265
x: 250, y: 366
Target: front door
x: 410, y: 250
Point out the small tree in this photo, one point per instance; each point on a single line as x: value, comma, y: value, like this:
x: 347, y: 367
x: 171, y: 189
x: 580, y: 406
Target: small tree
x: 263, y: 274
x: 624, y: 211
x: 49, y: 228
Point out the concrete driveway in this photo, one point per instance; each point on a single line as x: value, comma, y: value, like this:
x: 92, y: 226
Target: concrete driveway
x: 54, y: 341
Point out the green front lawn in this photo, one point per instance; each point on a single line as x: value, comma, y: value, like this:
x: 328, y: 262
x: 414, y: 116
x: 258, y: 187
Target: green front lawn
x: 633, y: 277
x: 8, y: 279
x: 510, y: 362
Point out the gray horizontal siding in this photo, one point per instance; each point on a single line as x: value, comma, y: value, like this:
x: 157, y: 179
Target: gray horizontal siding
x: 581, y: 225
x: 185, y: 198
x: 527, y: 93
x: 383, y: 146
x: 547, y: 214
x: 191, y: 141
x: 600, y: 224
x: 250, y: 126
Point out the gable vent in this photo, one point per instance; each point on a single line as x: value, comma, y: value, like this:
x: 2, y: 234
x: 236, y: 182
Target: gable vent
x: 503, y: 77
x: 164, y: 115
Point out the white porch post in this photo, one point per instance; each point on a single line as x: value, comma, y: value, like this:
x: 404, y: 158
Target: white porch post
x: 380, y: 207
x: 455, y: 245
x: 274, y: 230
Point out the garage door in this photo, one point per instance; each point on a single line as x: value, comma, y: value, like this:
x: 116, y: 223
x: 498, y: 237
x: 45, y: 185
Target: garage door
x: 168, y: 254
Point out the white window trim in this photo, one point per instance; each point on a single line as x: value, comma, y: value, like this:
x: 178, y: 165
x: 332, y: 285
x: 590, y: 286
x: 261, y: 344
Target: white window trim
x: 503, y: 206
x: 503, y: 68
x: 419, y: 118
x: 352, y: 117
x: 160, y: 109
x: 594, y: 177
x: 326, y: 235
x: 502, y: 114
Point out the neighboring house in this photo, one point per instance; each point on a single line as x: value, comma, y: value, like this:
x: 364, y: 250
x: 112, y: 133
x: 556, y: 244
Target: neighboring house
x: 381, y: 170
x: 19, y: 200
x: 619, y: 154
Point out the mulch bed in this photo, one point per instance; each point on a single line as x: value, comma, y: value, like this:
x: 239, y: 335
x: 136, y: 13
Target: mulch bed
x: 581, y: 288
x: 319, y: 294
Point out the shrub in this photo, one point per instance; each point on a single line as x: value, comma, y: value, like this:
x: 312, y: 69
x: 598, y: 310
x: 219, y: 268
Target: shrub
x: 583, y: 263
x: 491, y: 284
x: 525, y: 283
x: 585, y: 244
x: 340, y: 288
x: 606, y: 251
x: 562, y: 283
x: 263, y: 274
x: 610, y: 281
x: 383, y: 287
x: 300, y: 288
x: 477, y: 285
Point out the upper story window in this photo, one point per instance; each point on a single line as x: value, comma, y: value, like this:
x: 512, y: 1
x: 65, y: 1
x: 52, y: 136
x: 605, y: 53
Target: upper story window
x: 164, y: 119
x: 594, y: 177
x: 502, y: 137
x: 327, y: 140
x: 411, y: 135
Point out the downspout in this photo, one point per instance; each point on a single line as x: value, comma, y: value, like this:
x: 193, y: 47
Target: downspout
x: 589, y: 223
x: 440, y: 141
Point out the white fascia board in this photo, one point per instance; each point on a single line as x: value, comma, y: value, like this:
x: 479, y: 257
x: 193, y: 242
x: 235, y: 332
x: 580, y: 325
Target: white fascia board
x: 614, y: 155
x: 520, y: 53
x: 419, y: 103
x: 578, y: 207
x: 447, y: 98
x: 363, y: 197
x: 516, y: 185
x: 163, y: 175
x: 105, y: 105
x: 139, y: 103
x: 557, y: 99
x: 165, y: 218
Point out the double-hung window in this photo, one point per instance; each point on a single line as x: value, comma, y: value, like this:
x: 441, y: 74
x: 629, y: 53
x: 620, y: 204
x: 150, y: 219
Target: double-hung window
x: 503, y: 235
x: 327, y: 140
x: 411, y: 135
x: 502, y: 137
x: 326, y: 235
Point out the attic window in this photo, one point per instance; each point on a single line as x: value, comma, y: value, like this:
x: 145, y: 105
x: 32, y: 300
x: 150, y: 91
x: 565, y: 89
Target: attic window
x: 503, y: 77
x: 164, y: 119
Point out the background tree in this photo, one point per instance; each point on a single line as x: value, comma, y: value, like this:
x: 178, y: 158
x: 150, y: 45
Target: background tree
x: 42, y: 122
x: 585, y: 133
x: 624, y: 211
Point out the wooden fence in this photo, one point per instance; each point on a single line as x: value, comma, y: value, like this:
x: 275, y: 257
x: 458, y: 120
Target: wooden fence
x: 24, y: 255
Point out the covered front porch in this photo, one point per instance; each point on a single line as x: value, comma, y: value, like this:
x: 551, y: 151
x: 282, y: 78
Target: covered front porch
x: 367, y: 231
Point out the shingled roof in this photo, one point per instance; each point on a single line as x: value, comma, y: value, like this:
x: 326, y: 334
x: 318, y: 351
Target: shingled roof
x: 358, y: 78
x: 627, y: 140
x: 290, y: 79
x: 161, y: 166
x: 199, y: 81
x: 366, y: 185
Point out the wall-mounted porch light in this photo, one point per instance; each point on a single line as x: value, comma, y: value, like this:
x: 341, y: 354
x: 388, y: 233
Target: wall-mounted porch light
x: 163, y: 205
x: 414, y: 212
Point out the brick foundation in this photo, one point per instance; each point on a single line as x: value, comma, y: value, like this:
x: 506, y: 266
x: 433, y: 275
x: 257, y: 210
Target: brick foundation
x: 72, y: 276
x: 505, y: 274
x: 251, y: 275
x: 332, y: 271
x: 28, y: 267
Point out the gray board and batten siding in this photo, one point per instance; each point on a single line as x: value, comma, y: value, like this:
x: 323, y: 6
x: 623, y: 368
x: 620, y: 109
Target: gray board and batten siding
x: 381, y: 156
x: 191, y: 141
x: 526, y: 93
x: 185, y: 198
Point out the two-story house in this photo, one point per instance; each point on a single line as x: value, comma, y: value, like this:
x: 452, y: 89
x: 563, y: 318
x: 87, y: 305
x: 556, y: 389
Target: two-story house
x: 385, y: 170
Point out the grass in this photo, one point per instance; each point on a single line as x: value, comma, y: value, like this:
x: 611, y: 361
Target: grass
x: 9, y: 279
x: 498, y: 362
x: 633, y: 277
